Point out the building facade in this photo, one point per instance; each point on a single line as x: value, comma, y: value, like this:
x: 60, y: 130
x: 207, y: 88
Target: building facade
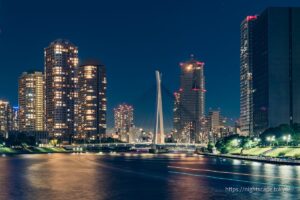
x: 5, y: 118
x: 91, y: 111
x: 276, y: 68
x: 214, y: 120
x: 246, y: 66
x: 176, y: 116
x: 192, y: 101
x: 61, y: 63
x: 123, y: 115
x: 15, y: 118
x: 216, y: 125
x: 31, y: 102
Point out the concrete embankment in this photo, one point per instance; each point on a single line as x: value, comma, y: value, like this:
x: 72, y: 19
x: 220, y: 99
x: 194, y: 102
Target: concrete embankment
x: 284, y: 161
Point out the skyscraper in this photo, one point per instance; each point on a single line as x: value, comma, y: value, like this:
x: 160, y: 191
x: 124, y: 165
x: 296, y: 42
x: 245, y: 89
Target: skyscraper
x: 246, y: 65
x: 61, y: 62
x: 176, y: 116
x: 276, y: 68
x: 192, y: 99
x: 215, y: 124
x: 123, y: 115
x: 5, y: 118
x: 15, y: 118
x: 214, y: 120
x: 91, y: 117
x: 31, y: 101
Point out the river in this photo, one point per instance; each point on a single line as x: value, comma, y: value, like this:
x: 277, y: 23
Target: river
x: 143, y: 176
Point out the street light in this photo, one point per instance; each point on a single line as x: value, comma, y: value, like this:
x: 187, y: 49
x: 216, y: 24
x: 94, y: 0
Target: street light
x: 236, y: 142
x: 271, y: 139
x: 287, y: 138
x: 284, y: 138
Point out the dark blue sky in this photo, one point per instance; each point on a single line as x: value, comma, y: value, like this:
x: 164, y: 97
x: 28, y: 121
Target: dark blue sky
x: 133, y: 38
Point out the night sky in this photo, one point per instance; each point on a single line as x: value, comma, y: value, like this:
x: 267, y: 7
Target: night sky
x: 133, y: 38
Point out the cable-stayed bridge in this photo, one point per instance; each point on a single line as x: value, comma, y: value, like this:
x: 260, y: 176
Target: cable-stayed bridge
x: 137, y: 147
x: 158, y: 134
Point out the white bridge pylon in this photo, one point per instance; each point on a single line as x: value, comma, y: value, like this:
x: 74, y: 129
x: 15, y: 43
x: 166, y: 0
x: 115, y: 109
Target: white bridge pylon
x: 159, y: 133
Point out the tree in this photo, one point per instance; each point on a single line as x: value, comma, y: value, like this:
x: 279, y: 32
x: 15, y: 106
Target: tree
x: 296, y: 134
x: 230, y: 142
x: 21, y: 139
x: 210, y: 147
x: 246, y: 143
x: 279, y: 134
x: 2, y: 140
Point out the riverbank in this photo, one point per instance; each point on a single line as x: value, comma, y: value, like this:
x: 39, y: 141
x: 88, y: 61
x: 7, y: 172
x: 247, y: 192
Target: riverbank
x: 284, y: 161
x: 274, y: 152
x: 32, y: 150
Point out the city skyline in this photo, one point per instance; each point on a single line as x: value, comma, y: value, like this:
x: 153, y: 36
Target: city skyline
x: 131, y: 63
x: 150, y: 99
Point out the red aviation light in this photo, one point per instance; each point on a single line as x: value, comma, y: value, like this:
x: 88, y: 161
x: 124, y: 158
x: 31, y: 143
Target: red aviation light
x: 200, y: 63
x: 197, y: 89
x: 249, y: 18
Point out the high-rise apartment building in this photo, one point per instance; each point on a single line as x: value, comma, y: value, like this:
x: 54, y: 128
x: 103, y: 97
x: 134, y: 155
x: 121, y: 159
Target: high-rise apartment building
x: 192, y: 100
x: 61, y: 62
x: 123, y: 115
x: 5, y: 117
x: 91, y: 110
x: 31, y: 101
x: 246, y: 65
x: 274, y: 50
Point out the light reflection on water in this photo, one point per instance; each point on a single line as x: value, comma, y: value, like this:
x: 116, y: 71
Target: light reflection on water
x: 140, y: 176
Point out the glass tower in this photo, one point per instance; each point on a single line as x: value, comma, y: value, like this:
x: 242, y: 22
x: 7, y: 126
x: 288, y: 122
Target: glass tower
x: 246, y: 65
x: 192, y: 101
x: 276, y: 68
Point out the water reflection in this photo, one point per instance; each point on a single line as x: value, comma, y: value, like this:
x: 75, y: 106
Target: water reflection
x: 141, y: 176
